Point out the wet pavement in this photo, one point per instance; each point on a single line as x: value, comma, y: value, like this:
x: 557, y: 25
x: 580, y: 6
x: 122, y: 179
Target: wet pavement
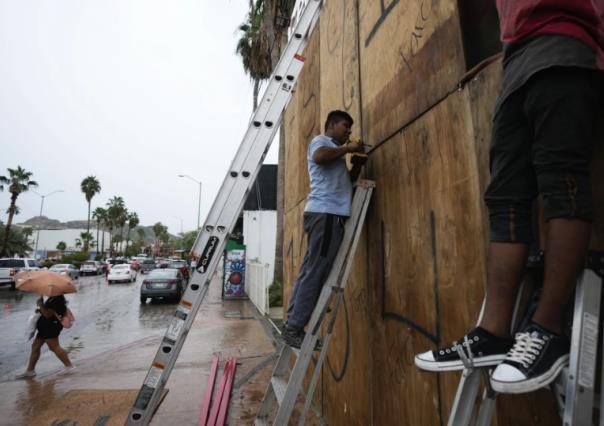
x: 107, y: 316
x: 113, y: 344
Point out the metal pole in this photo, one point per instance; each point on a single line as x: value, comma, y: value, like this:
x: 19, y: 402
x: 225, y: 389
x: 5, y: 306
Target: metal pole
x: 38, y: 234
x: 199, y: 206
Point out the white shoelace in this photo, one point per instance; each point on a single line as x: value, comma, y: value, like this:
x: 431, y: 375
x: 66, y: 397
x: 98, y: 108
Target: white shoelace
x: 526, y: 349
x: 468, y: 361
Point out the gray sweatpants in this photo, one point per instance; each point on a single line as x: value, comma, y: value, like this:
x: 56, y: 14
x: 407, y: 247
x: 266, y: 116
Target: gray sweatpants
x: 325, y: 232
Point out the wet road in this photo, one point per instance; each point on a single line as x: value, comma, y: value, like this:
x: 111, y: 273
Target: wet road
x: 107, y: 317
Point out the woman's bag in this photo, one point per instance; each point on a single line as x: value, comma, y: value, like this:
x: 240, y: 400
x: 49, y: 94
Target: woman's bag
x: 68, y: 319
x: 32, y: 323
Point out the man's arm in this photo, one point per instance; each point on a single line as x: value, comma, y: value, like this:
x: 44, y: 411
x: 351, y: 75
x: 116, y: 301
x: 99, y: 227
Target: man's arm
x: 326, y: 154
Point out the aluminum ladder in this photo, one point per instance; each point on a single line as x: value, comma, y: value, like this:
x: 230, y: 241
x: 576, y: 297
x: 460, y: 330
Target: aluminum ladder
x: 285, y: 392
x: 225, y: 210
x: 575, y: 386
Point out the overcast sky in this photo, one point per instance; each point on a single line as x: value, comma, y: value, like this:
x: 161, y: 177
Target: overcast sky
x: 133, y: 92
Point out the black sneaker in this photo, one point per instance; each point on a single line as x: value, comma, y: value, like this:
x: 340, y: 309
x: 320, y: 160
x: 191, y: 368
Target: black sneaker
x: 482, y: 349
x: 535, y: 361
x: 294, y: 337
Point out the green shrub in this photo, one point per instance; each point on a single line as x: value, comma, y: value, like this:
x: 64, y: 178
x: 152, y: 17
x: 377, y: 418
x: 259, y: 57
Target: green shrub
x: 275, y: 294
x: 76, y: 258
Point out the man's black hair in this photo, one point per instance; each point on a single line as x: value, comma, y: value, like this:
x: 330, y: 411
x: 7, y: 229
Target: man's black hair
x: 337, y: 116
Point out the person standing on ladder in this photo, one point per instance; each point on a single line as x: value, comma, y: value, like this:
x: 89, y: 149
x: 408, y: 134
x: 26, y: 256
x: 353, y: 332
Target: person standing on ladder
x: 543, y: 135
x: 327, y: 207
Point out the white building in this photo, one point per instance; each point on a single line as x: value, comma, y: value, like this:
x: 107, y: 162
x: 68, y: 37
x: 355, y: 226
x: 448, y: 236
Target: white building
x: 49, y: 238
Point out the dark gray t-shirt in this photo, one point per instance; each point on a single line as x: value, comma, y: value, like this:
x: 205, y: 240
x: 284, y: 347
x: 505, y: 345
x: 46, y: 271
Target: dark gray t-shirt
x: 522, y: 61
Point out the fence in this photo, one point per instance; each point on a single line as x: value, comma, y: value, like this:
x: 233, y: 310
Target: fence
x: 257, y: 284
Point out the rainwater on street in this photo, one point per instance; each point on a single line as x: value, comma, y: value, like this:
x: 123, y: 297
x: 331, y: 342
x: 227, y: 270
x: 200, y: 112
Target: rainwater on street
x: 107, y: 316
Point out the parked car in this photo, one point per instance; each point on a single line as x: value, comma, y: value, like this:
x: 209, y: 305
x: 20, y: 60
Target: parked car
x: 66, y: 269
x: 91, y: 267
x: 136, y: 265
x: 9, y: 267
x: 182, y: 266
x: 147, y: 265
x: 164, y: 283
x: 121, y: 272
x: 162, y: 263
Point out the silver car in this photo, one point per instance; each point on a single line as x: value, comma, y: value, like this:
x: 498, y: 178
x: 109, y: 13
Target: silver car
x: 66, y: 269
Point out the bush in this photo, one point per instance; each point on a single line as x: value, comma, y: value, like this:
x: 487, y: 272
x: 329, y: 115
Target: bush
x: 76, y: 258
x: 275, y: 294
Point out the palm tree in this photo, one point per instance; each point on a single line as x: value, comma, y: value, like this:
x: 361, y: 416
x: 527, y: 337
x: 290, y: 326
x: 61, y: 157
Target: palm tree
x: 121, y: 222
x: 133, y: 222
x: 90, y: 186
x: 61, y: 246
x: 99, y: 214
x: 115, y: 207
x: 78, y: 243
x: 18, y: 181
x: 254, y: 48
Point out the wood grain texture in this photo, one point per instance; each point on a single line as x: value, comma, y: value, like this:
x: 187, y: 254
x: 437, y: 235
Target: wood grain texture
x: 302, y: 123
x: 411, y: 57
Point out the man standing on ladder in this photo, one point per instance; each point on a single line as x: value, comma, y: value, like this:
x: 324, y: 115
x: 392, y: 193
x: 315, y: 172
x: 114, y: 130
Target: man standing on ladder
x: 543, y: 135
x: 327, y: 207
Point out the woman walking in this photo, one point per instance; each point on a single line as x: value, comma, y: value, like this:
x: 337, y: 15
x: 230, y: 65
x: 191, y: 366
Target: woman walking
x: 48, y: 329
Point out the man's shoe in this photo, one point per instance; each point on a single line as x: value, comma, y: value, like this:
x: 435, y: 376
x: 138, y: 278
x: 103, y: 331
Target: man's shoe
x: 481, y: 348
x: 535, y: 361
x: 26, y: 375
x: 294, y: 337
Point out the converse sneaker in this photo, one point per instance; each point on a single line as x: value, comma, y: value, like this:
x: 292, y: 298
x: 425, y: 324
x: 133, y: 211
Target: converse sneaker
x: 294, y: 337
x: 26, y: 374
x: 481, y: 348
x: 535, y: 361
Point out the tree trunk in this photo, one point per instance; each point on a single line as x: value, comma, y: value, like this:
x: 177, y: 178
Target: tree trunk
x: 103, y: 244
x: 97, y: 237
x: 87, y: 242
x: 9, y: 222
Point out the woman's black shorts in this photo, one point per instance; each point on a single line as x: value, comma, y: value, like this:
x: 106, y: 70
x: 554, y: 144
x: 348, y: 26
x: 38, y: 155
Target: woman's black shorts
x: 48, y: 328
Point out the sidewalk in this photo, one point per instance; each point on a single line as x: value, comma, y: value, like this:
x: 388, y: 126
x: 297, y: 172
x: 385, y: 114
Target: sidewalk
x: 100, y: 391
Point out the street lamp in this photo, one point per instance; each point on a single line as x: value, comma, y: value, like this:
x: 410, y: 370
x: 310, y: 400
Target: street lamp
x: 199, y: 202
x: 40, y: 215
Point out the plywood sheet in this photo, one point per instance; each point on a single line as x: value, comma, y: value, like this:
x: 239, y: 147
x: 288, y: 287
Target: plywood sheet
x: 427, y: 259
x: 340, y: 61
x: 411, y: 57
x: 302, y: 123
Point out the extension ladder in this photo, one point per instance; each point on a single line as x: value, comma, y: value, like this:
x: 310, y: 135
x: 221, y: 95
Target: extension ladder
x: 225, y: 210
x: 575, y: 386
x: 280, y: 389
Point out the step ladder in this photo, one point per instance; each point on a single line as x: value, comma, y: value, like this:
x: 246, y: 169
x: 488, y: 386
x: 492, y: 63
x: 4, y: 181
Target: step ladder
x: 283, y: 390
x: 225, y: 210
x: 575, y: 386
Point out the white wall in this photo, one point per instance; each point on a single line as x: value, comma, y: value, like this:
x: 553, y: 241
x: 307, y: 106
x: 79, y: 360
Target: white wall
x: 49, y: 238
x: 259, y: 237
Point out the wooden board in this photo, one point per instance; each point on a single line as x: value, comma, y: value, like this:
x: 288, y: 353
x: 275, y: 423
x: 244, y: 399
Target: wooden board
x: 340, y: 87
x: 302, y: 123
x: 411, y: 57
x: 427, y: 259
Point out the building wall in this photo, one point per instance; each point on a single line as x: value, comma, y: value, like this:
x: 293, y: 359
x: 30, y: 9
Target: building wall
x: 418, y: 280
x: 49, y: 238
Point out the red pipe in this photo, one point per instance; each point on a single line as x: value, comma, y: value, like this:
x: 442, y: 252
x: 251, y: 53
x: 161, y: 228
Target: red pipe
x: 218, y: 399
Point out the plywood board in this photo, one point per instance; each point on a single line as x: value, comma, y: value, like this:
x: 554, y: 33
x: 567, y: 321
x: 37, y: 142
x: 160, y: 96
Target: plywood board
x: 411, y: 56
x: 340, y: 61
x: 427, y: 259
x: 302, y: 123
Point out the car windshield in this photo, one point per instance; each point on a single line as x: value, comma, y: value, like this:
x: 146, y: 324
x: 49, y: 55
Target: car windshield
x: 121, y: 267
x: 177, y: 265
x: 149, y: 262
x: 90, y: 263
x: 12, y: 263
x: 163, y: 273
x: 59, y: 266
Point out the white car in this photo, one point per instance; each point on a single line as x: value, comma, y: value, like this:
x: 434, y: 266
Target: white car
x: 122, y: 272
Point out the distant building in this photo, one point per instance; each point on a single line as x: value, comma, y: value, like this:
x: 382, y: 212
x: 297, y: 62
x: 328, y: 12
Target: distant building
x: 49, y: 238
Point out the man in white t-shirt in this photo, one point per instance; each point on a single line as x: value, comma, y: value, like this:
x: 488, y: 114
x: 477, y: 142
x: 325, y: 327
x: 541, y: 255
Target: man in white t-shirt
x: 327, y: 207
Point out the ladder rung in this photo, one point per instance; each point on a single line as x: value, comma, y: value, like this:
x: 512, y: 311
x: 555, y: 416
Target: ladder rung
x: 279, y: 387
x: 260, y: 422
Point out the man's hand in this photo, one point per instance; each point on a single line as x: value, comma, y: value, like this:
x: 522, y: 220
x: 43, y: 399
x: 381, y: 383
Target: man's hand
x: 355, y: 146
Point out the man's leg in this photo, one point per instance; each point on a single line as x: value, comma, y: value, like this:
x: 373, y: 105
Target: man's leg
x: 324, y: 238
x: 505, y: 266
x: 509, y: 198
x: 565, y: 249
x: 561, y: 104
